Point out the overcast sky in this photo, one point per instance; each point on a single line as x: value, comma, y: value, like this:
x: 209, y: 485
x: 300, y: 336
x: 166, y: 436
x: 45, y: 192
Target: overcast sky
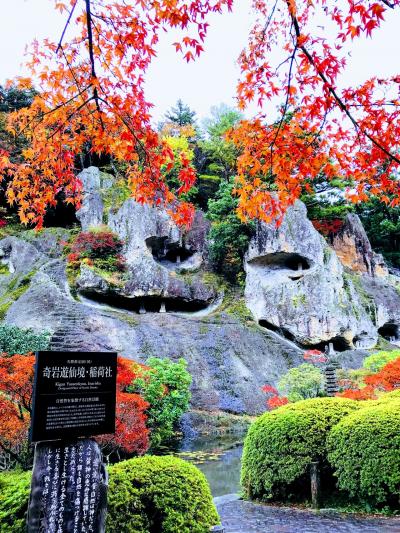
x: 212, y: 78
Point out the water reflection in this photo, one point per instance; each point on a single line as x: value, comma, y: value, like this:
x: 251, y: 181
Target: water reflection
x: 218, y: 457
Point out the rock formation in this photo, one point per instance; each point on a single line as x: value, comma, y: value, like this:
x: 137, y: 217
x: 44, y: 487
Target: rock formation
x: 297, y: 286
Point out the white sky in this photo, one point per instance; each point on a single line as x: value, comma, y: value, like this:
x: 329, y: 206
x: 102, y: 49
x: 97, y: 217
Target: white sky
x: 208, y: 81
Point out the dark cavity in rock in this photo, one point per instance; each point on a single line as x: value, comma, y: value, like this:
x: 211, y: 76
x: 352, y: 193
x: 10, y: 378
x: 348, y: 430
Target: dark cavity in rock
x: 148, y: 304
x: 282, y: 261
x: 165, y: 251
x: 389, y: 331
x: 283, y: 332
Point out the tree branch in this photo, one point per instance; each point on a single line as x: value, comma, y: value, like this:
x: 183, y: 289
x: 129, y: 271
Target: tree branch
x: 333, y: 92
x: 66, y: 26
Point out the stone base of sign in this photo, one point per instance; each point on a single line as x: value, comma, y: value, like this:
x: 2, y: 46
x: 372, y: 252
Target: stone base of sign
x: 69, y: 488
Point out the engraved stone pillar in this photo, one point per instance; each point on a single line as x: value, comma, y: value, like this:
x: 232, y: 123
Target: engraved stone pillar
x: 142, y: 309
x: 69, y: 488
x: 163, y: 308
x: 178, y: 259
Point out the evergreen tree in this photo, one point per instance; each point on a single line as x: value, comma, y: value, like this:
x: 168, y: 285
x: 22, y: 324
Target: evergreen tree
x: 181, y: 115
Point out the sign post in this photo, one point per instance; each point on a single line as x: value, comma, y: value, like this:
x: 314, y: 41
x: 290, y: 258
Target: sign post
x: 74, y: 396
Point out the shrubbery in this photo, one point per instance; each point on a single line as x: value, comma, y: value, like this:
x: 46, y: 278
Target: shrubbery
x: 14, y: 496
x: 147, y: 494
x: 162, y: 494
x: 281, y: 444
x: 364, y: 450
x: 302, y: 382
x: 97, y: 248
x: 229, y: 237
x: 14, y: 340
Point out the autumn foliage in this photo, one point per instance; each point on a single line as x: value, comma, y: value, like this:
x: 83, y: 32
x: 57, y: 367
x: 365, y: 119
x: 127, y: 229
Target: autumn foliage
x: 274, y: 400
x: 91, y: 97
x: 91, y: 94
x: 385, y: 380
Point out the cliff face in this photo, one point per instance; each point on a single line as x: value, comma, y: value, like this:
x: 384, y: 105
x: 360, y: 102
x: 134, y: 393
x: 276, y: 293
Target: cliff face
x: 171, y: 305
x: 354, y: 250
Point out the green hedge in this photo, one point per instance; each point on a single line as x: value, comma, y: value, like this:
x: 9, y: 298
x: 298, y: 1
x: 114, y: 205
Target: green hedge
x: 14, y: 496
x: 281, y: 444
x: 146, y: 494
x: 162, y: 494
x: 364, y: 449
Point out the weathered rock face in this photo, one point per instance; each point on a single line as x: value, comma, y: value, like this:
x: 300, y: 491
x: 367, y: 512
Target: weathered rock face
x: 354, y: 250
x: 296, y: 285
x: 91, y: 213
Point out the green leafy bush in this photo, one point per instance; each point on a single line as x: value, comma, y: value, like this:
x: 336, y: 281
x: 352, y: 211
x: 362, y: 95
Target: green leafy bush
x: 302, y: 382
x: 14, y: 340
x: 364, y: 451
x: 376, y: 361
x: 165, y: 385
x: 281, y: 444
x: 14, y: 496
x: 162, y: 494
x: 146, y: 494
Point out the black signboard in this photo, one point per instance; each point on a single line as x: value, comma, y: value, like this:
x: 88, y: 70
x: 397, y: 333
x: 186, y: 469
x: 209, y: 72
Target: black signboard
x: 74, y: 395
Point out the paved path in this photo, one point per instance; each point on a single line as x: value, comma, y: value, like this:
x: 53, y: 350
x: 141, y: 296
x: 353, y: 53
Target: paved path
x: 246, y: 517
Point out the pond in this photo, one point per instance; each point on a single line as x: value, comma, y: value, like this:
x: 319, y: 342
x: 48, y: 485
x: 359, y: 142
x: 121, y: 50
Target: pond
x: 218, y: 457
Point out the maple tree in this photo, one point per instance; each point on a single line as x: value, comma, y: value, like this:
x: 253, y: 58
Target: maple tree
x: 91, y: 94
x: 351, y: 133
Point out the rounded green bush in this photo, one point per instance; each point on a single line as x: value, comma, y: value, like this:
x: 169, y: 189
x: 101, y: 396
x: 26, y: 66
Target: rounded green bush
x: 14, y: 495
x: 162, y: 494
x: 146, y: 494
x: 364, y: 449
x: 281, y: 444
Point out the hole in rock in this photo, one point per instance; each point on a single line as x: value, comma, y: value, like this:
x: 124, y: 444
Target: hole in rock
x: 162, y: 250
x: 283, y: 332
x: 148, y: 304
x: 389, y: 331
x: 362, y: 340
x: 339, y: 343
x: 282, y: 261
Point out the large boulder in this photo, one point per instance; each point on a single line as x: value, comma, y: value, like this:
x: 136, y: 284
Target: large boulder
x: 295, y: 285
x: 354, y: 250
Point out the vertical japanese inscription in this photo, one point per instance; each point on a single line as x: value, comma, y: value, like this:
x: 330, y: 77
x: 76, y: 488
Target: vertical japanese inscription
x: 68, y: 489
x: 74, y: 395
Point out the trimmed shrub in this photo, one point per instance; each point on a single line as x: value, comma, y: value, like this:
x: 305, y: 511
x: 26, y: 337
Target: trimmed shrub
x: 364, y: 451
x: 281, y: 444
x: 163, y: 494
x: 146, y: 494
x: 14, y: 497
x: 377, y: 361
